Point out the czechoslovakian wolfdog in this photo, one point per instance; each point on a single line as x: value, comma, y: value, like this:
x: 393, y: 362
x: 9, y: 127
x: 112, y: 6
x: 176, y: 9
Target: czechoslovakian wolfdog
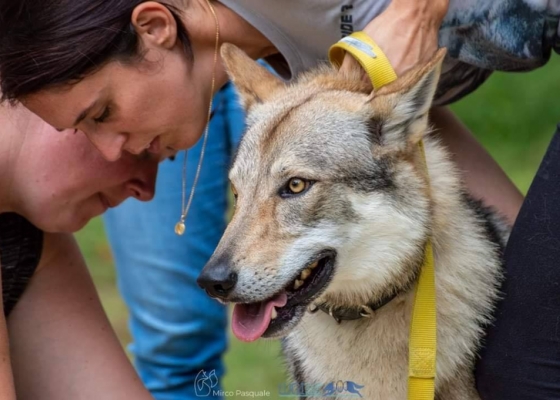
x: 333, y: 212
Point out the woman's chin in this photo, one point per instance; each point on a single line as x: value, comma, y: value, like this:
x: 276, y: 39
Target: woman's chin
x: 65, y: 223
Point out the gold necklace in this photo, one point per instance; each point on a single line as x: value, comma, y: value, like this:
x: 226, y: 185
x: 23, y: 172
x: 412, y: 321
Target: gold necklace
x: 180, y: 226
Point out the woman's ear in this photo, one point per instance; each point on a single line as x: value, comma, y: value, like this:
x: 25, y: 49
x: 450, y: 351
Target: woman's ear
x: 155, y: 24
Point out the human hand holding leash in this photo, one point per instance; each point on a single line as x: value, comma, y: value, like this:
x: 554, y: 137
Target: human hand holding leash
x: 407, y: 32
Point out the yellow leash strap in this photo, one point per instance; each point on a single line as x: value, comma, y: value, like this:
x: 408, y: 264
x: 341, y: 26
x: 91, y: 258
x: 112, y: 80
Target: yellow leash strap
x: 422, y: 345
x: 368, y: 54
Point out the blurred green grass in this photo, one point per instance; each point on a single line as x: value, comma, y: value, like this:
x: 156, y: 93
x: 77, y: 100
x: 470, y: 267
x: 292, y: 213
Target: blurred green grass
x: 513, y: 115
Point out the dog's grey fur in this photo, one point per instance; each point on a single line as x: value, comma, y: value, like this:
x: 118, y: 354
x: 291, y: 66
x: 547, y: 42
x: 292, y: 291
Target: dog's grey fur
x: 373, y: 204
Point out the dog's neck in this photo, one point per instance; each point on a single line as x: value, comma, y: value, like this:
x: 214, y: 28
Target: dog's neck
x: 452, y: 220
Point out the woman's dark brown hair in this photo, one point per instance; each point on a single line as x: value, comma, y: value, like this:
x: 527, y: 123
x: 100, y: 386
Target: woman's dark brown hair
x: 46, y: 43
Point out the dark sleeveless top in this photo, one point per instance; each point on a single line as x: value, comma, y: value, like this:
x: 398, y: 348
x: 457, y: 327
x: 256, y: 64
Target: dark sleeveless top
x: 21, y: 245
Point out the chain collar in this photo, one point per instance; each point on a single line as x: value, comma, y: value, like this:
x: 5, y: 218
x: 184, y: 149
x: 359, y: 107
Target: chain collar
x: 352, y: 313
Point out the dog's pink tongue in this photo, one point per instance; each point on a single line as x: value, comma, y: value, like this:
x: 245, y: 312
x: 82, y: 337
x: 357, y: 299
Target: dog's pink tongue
x: 250, y: 321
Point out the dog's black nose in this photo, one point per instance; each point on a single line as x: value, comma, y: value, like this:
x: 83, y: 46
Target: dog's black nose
x: 218, y: 281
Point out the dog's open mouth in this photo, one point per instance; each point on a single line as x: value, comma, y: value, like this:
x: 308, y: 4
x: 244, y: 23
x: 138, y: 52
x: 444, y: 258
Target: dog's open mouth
x: 265, y: 318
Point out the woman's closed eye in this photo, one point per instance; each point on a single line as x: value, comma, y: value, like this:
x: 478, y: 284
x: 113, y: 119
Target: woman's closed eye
x: 104, y: 115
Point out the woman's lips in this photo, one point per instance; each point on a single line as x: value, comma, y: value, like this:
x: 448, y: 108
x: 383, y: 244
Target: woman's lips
x: 152, y: 147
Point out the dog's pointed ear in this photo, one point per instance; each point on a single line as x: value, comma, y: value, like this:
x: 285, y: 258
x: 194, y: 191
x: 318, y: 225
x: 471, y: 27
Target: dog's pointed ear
x: 402, y: 106
x: 254, y: 83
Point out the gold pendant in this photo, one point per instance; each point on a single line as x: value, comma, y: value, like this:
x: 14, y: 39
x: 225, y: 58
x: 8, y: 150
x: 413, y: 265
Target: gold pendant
x: 180, y: 228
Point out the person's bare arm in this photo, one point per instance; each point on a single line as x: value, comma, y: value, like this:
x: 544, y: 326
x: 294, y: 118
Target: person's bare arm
x: 62, y: 344
x: 483, y: 176
x: 407, y: 32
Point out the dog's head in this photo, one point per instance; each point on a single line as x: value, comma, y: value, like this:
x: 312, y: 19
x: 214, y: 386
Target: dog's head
x: 332, y: 200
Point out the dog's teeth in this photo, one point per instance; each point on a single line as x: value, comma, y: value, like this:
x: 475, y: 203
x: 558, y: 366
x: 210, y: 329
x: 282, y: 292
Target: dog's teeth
x: 274, y: 313
x: 305, y: 273
x: 314, y: 265
x: 312, y: 307
x: 297, y: 284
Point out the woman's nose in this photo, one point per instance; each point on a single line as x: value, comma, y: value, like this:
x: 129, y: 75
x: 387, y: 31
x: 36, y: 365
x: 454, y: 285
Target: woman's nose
x: 143, y: 185
x: 110, y: 145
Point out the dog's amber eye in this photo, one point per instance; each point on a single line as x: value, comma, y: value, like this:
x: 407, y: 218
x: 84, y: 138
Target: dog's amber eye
x: 297, y: 185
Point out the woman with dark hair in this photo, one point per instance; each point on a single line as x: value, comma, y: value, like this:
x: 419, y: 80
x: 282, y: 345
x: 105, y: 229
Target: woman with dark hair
x: 55, y: 340
x: 135, y: 75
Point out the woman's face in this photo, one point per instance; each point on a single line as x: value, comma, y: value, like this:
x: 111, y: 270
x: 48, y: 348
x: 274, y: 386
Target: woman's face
x: 159, y: 103
x: 130, y: 108
x: 62, y: 181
